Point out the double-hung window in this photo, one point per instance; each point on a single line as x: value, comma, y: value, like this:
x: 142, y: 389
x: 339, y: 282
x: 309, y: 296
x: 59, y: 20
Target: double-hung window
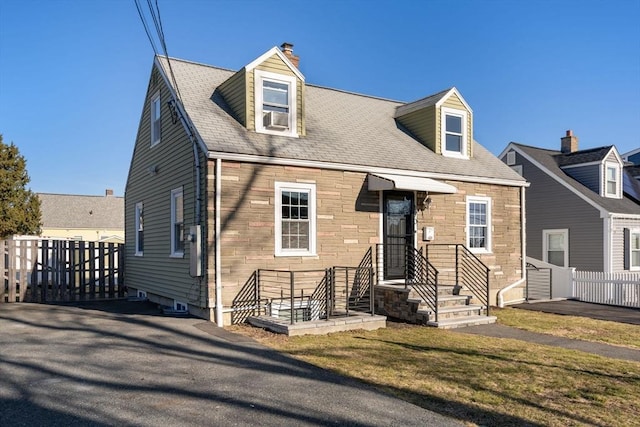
x: 479, y: 224
x: 177, y: 223
x: 612, y: 180
x: 454, y: 132
x: 295, y: 219
x: 155, y: 119
x: 555, y: 248
x: 632, y: 249
x: 275, y: 98
x: 139, y: 224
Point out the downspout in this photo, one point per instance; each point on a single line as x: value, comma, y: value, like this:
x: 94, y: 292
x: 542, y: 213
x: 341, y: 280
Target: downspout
x: 523, y: 239
x: 218, y: 256
x: 607, y: 237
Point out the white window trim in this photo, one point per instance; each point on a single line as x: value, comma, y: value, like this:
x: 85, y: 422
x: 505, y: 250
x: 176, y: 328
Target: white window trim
x: 545, y: 244
x: 155, y: 139
x: 259, y: 76
x: 444, y: 111
x: 605, y: 189
x: 294, y: 186
x: 175, y: 253
x: 632, y: 267
x: 487, y: 201
x: 138, y: 212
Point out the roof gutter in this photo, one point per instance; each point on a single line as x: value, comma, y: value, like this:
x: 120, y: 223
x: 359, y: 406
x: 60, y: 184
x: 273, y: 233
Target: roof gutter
x: 251, y: 158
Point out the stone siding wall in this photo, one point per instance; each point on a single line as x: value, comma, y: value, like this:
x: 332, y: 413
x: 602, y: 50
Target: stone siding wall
x: 348, y: 223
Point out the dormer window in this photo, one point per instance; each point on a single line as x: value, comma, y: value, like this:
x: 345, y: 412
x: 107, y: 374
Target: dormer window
x: 275, y: 97
x: 612, y: 180
x: 454, y: 133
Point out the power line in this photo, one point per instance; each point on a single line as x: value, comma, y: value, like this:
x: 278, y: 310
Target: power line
x: 146, y: 29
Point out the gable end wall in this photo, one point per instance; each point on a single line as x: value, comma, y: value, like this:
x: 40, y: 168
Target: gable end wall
x: 161, y: 276
x: 550, y: 205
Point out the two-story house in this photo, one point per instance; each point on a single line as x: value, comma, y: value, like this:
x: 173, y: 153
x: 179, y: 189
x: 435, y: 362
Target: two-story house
x: 236, y: 173
x: 579, y: 212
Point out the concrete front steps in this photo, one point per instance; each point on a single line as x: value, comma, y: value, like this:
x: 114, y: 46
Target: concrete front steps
x: 454, y: 311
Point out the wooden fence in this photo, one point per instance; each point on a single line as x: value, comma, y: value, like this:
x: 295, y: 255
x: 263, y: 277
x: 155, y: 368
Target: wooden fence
x: 621, y: 289
x: 60, y: 270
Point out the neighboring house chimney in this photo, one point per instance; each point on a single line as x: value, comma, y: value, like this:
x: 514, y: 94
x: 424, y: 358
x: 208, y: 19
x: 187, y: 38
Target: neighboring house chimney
x: 287, y: 49
x: 108, y: 192
x: 569, y: 143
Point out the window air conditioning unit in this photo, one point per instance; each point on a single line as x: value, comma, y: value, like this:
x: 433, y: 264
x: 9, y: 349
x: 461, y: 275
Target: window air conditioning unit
x: 276, y: 119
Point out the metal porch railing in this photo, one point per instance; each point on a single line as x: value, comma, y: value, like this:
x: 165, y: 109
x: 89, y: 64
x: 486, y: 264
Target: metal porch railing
x: 306, y: 295
x: 459, y: 267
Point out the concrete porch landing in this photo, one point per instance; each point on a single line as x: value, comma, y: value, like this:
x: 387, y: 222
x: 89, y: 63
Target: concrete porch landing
x: 351, y: 322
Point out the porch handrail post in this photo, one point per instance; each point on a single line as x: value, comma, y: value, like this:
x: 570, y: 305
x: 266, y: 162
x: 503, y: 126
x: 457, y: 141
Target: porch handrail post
x: 371, y: 295
x: 346, y: 289
x: 436, y: 296
x: 487, y: 276
x: 406, y: 265
x: 328, y: 273
x: 291, y: 295
x: 257, y: 292
x: 457, y: 265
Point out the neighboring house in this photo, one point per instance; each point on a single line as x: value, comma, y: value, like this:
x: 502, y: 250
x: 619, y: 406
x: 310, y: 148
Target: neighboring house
x: 273, y: 173
x: 79, y: 217
x: 632, y: 156
x: 580, y: 211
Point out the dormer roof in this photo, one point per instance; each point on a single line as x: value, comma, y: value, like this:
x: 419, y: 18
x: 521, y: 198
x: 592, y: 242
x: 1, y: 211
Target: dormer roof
x: 436, y: 100
x: 268, y: 54
x: 548, y: 161
x: 587, y: 156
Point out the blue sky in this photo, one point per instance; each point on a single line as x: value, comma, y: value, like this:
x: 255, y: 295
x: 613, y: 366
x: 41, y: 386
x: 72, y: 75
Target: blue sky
x: 73, y: 73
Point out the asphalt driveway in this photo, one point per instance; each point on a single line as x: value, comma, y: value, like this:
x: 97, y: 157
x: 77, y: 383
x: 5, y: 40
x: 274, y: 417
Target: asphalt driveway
x: 124, y: 364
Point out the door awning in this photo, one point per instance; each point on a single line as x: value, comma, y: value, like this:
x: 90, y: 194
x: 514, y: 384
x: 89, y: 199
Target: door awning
x: 386, y: 181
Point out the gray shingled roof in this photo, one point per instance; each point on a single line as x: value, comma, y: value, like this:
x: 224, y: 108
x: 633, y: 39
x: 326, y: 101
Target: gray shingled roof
x: 76, y: 211
x: 550, y: 159
x: 341, y: 127
x: 583, y: 156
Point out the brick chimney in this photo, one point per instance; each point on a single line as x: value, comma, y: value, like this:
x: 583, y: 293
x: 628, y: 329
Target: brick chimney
x: 108, y: 192
x: 287, y: 49
x: 569, y: 143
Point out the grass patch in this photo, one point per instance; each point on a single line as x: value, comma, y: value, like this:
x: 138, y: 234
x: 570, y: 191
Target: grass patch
x: 582, y: 328
x: 480, y: 380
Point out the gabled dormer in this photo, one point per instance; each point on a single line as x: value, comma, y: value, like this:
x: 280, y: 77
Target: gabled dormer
x: 267, y: 95
x: 600, y: 169
x: 443, y: 122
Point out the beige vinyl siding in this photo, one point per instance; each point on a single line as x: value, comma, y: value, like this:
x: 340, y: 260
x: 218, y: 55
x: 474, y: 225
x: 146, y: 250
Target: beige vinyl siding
x: 234, y: 92
x: 422, y: 124
x: 276, y: 65
x: 617, y: 240
x: 454, y: 101
x: 552, y: 206
x: 156, y: 272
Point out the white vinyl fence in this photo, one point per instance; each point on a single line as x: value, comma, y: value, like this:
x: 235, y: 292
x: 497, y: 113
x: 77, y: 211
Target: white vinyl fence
x: 621, y: 289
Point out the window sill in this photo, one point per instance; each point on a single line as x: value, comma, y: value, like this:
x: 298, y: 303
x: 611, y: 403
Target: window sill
x: 454, y: 155
x: 287, y: 132
x: 177, y: 255
x: 138, y: 254
x: 480, y: 251
x: 293, y: 254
